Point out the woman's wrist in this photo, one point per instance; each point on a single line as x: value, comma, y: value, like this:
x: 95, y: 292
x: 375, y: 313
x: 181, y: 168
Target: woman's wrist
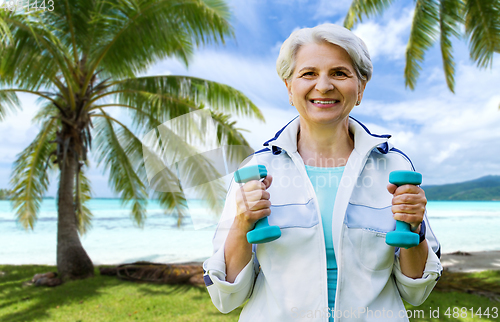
x: 416, y: 228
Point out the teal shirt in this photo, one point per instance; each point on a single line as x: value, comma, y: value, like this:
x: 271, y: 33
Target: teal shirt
x: 326, y: 182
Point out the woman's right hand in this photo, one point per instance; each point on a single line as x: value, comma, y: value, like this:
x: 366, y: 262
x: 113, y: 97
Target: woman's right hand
x: 252, y: 203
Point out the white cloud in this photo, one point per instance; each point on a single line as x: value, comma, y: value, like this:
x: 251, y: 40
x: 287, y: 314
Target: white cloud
x: 386, y: 40
x: 16, y: 130
x: 246, y: 12
x: 450, y: 137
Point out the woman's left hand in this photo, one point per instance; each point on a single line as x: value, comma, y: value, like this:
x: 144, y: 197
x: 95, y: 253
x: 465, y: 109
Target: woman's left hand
x: 408, y: 204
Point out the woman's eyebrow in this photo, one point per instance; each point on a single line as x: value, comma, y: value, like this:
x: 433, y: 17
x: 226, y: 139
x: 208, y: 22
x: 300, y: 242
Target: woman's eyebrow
x: 306, y: 68
x: 341, y: 68
x: 333, y: 68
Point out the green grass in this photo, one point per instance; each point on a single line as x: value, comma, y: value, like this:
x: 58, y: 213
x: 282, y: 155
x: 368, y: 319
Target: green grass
x: 105, y: 298
x: 102, y: 298
x: 454, y: 290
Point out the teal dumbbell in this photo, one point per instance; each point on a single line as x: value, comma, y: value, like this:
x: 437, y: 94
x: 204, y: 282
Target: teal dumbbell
x: 403, y: 236
x: 262, y: 232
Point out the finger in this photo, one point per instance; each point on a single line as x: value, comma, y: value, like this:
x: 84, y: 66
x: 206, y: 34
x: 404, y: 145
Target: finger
x: 407, y: 209
x: 265, y: 195
x: 253, y: 185
x: 261, y: 204
x: 411, y: 219
x: 267, y: 181
x: 407, y: 188
x: 248, y: 200
x: 250, y: 204
x: 249, y: 217
x: 258, y: 214
x: 391, y: 188
x: 255, y: 195
x: 409, y: 198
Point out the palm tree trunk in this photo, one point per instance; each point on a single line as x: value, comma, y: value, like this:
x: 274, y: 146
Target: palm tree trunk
x: 72, y: 260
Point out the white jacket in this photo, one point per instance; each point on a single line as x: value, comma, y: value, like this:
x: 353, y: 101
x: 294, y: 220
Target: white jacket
x: 286, y: 280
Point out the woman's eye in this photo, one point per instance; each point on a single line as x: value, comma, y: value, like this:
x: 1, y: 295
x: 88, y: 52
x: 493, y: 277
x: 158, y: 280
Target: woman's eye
x: 339, y: 74
x: 308, y: 74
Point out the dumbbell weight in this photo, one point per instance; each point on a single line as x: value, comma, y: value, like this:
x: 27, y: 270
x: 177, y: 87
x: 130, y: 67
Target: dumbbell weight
x: 262, y: 232
x: 403, y: 236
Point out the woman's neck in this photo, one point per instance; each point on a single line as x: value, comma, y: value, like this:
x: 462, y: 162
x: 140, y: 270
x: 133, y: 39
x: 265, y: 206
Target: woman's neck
x: 325, y: 146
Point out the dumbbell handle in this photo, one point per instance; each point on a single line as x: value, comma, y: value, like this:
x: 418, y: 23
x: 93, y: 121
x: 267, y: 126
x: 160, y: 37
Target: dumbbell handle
x: 262, y: 232
x: 403, y: 236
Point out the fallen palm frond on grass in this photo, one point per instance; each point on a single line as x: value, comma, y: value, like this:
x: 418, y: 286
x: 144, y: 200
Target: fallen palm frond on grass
x: 185, y: 273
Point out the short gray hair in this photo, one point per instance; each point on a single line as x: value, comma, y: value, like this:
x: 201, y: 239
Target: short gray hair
x: 334, y: 34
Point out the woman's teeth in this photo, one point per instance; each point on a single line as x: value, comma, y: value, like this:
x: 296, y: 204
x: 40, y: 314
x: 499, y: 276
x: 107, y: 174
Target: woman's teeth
x: 324, y: 102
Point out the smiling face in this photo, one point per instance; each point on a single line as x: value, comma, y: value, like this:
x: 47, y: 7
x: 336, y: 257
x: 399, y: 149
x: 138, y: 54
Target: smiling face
x: 324, y: 86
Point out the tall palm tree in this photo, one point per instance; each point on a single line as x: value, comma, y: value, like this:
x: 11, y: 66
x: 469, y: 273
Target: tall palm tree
x: 478, y: 21
x: 81, y: 60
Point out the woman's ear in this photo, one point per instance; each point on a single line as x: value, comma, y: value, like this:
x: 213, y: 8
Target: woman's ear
x: 289, y: 89
x: 361, y: 89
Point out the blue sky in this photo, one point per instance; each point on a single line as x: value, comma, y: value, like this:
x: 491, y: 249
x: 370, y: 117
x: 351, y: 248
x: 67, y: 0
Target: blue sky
x: 449, y: 137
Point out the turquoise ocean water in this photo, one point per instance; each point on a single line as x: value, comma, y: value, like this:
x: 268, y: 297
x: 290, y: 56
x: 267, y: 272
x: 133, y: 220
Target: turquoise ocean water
x: 113, y: 239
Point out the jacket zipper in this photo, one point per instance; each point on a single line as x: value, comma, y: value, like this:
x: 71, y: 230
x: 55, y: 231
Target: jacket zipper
x: 312, y: 193
x: 342, y: 229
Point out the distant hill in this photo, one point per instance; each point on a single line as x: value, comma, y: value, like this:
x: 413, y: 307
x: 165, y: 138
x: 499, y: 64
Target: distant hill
x: 484, y: 188
x: 5, y: 194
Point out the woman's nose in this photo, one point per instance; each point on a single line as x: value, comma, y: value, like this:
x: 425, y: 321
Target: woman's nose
x: 324, y: 84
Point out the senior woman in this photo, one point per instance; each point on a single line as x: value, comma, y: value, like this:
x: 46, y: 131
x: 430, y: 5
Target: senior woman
x: 328, y: 191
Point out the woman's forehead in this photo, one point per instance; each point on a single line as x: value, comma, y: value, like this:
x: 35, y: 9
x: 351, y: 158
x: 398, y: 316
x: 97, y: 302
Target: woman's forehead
x: 315, y: 55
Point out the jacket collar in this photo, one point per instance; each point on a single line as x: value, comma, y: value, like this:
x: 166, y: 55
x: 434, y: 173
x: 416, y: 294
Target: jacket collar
x: 364, y: 140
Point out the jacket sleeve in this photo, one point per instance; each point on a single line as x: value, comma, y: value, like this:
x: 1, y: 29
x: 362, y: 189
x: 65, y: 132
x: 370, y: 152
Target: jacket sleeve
x: 228, y: 296
x: 416, y: 291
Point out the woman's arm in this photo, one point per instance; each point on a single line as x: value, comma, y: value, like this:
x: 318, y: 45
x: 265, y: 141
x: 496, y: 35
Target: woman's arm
x: 412, y: 260
x: 252, y: 201
x: 237, y: 253
x: 230, y: 277
x: 408, y: 205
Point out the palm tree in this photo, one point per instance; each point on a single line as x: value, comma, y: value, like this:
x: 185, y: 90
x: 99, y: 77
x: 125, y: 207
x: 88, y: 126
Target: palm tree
x: 81, y: 59
x: 478, y: 21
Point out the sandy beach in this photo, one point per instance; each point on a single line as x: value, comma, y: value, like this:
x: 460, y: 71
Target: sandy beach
x: 471, y: 261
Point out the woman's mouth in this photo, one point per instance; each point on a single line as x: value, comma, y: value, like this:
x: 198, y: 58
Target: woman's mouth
x: 324, y: 103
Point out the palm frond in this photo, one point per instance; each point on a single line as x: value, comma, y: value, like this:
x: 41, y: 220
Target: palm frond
x: 141, y: 32
x: 83, y: 194
x: 162, y: 180
x: 174, y: 163
x: 30, y: 177
x: 422, y: 36
x: 163, y: 149
x: 167, y: 97
x: 175, y: 203
x: 8, y: 101
x: 72, y: 23
x: 482, y: 25
x: 201, y: 173
x: 236, y: 147
x: 33, y: 56
x: 4, y: 29
x: 368, y: 8
x: 122, y: 172
x: 45, y: 112
x: 450, y: 19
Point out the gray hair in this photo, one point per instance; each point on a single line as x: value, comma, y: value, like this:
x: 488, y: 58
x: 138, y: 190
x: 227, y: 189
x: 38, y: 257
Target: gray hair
x: 334, y: 34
